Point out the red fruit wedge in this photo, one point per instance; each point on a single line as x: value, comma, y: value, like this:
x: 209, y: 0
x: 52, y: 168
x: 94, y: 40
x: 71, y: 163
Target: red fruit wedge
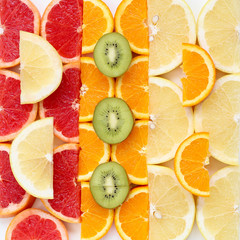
x: 15, y: 15
x: 13, y: 116
x: 67, y: 197
x: 36, y: 224
x: 13, y: 199
x: 63, y: 104
x: 62, y: 27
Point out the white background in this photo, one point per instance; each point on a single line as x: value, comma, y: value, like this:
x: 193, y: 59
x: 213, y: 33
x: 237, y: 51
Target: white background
x: 74, y: 230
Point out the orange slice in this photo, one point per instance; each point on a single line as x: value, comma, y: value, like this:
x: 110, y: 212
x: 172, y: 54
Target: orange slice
x: 133, y: 87
x: 131, y: 153
x: 96, y: 221
x: 95, y: 87
x: 131, y: 21
x: 200, y: 74
x: 97, y: 21
x: 131, y: 218
x: 189, y: 164
x: 93, y: 151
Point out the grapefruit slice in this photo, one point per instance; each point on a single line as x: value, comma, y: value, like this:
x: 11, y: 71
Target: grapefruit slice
x: 66, y: 203
x: 15, y: 15
x: 63, y: 105
x: 13, y: 199
x: 13, y: 116
x: 36, y: 224
x: 62, y: 26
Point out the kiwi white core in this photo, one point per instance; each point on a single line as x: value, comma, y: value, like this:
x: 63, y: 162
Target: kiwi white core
x: 113, y: 121
x: 109, y: 185
x: 112, y: 54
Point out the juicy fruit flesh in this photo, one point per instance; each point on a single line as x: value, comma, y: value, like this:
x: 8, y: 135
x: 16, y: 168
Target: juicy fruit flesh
x: 10, y: 191
x: 14, y: 16
x: 64, y: 105
x: 66, y: 190
x: 112, y: 120
x: 112, y: 54
x: 109, y: 185
x: 64, y: 27
x: 34, y: 227
x: 13, y: 115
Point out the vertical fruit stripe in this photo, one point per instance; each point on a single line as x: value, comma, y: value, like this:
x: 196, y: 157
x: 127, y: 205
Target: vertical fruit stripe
x: 64, y: 27
x: 96, y: 221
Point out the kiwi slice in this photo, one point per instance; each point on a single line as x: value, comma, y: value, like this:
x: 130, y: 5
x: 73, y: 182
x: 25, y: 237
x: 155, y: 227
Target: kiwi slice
x: 112, y: 54
x: 112, y: 120
x: 109, y: 185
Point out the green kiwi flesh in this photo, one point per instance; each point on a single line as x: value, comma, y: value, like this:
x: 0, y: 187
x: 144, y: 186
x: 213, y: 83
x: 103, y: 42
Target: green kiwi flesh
x: 113, y: 120
x: 109, y: 185
x: 112, y: 54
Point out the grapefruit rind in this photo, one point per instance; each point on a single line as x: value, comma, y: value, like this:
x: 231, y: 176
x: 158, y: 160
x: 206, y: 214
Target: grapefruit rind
x: 44, y: 154
x: 44, y: 58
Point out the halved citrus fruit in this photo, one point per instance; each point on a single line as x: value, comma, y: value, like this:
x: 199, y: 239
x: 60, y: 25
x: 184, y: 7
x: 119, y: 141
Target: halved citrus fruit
x: 41, y: 68
x: 133, y: 87
x: 189, y: 164
x: 93, y: 151
x: 36, y: 224
x: 15, y: 15
x: 219, y: 115
x: 95, y: 87
x: 171, y: 23
x: 13, y: 116
x: 96, y: 221
x: 31, y: 158
x: 218, y: 33
x: 63, y: 104
x: 61, y: 25
x: 67, y: 197
x: 13, y: 199
x: 131, y: 218
x: 131, y: 21
x: 170, y: 122
x: 218, y: 215
x: 172, y: 208
x: 97, y: 21
x: 132, y: 153
x: 200, y: 74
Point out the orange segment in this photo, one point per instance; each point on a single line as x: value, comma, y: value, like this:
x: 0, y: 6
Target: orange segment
x: 95, y: 87
x: 97, y: 21
x: 96, y: 221
x: 190, y: 161
x: 93, y: 151
x: 200, y: 74
x: 131, y: 218
x: 133, y: 87
x: 131, y: 153
x: 131, y: 21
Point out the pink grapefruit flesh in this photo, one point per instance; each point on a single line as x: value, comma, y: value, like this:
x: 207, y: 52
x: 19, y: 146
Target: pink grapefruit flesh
x: 67, y: 196
x: 36, y: 224
x: 15, y: 15
x: 13, y: 116
x: 62, y: 27
x: 63, y: 104
x: 13, y: 198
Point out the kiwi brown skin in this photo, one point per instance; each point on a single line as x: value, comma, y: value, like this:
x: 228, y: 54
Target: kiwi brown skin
x: 112, y: 54
x: 109, y: 185
x: 100, y: 120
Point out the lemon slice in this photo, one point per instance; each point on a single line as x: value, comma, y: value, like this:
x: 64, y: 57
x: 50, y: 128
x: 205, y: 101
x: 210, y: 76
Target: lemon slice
x: 171, y: 23
x: 219, y: 115
x: 31, y: 158
x: 218, y: 215
x: 170, y: 122
x: 172, y: 208
x: 219, y: 33
x: 41, y: 68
